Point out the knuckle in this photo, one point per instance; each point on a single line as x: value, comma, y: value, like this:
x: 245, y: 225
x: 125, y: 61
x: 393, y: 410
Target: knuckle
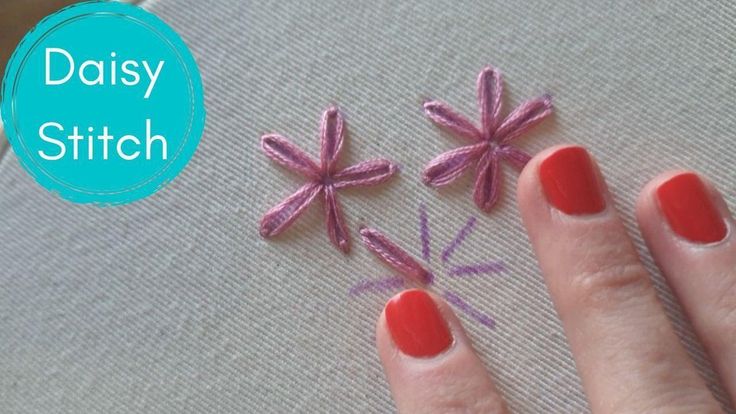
x: 609, y: 284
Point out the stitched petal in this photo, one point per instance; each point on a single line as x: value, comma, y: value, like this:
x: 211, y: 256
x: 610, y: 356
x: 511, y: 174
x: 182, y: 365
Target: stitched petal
x: 335, y: 221
x: 289, y: 155
x: 515, y: 156
x: 366, y: 173
x: 448, y: 166
x: 283, y: 214
x: 490, y: 90
x: 527, y: 115
x: 394, y: 256
x: 331, y: 135
x: 487, y: 182
x: 444, y: 116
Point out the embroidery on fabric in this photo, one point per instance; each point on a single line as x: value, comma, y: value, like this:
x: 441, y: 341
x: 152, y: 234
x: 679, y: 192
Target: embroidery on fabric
x: 323, y: 177
x: 489, y: 144
x: 410, y: 271
x: 394, y: 256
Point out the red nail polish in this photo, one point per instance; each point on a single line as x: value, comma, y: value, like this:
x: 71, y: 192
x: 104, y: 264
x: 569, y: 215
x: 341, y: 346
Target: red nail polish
x: 569, y: 182
x: 416, y: 324
x: 689, y: 210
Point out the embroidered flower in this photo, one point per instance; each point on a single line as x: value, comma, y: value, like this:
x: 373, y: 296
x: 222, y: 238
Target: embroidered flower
x: 323, y: 177
x: 489, y: 144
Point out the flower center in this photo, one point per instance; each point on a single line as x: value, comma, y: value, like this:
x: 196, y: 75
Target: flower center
x: 326, y: 180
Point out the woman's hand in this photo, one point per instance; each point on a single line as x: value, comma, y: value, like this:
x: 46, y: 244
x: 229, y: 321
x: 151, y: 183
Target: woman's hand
x: 625, y: 349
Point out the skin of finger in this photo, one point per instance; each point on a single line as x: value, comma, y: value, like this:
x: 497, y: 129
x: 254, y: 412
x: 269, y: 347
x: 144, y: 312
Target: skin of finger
x: 625, y: 349
x: 702, y: 277
x: 455, y: 381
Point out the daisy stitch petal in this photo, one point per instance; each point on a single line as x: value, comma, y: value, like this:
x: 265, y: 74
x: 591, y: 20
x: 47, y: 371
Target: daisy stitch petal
x: 394, y: 256
x: 487, y: 182
x: 323, y: 177
x: 490, y: 91
x: 287, y: 154
x: 283, y: 214
x: 515, y: 156
x: 336, y: 228
x: 365, y: 173
x: 448, y: 166
x: 493, y: 138
x: 524, y: 117
x: 441, y: 114
x: 331, y: 134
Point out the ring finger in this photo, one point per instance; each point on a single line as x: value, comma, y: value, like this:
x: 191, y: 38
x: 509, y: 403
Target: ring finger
x: 689, y: 231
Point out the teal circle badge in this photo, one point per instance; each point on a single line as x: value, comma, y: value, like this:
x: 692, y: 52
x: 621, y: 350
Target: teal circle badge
x: 102, y: 102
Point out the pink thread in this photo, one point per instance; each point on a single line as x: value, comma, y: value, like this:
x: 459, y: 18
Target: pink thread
x: 490, y: 143
x: 323, y: 177
x: 461, y: 235
x: 283, y: 214
x: 379, y: 244
x: 394, y: 256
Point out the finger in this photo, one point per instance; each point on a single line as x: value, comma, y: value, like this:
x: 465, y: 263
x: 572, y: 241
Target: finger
x: 628, y: 356
x: 429, y: 362
x: 689, y: 231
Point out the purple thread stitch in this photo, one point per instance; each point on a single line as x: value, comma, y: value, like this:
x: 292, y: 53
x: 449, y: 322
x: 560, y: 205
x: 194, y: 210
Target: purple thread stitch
x: 455, y: 300
x: 490, y: 143
x: 461, y: 235
x: 380, y: 285
x: 472, y: 270
x: 324, y: 178
x: 397, y: 258
x: 394, y: 256
x: 424, y: 230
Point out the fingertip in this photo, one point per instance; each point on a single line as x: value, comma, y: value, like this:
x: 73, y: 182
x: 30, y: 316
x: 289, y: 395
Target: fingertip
x: 428, y: 360
x: 532, y: 201
x: 683, y: 205
x: 647, y: 211
x: 417, y: 325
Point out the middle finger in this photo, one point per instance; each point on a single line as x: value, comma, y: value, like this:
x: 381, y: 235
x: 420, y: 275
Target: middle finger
x: 625, y: 349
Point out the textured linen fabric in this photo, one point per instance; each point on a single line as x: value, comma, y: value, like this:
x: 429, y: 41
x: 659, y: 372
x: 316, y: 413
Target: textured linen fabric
x: 174, y: 304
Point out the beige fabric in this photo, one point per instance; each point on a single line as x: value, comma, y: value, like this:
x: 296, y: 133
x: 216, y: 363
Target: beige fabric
x: 175, y: 304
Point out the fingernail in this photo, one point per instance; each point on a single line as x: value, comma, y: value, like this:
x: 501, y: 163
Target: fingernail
x: 689, y: 210
x: 416, y: 324
x: 570, y: 183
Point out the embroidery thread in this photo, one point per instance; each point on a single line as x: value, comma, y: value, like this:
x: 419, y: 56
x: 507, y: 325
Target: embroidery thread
x: 489, y: 144
x: 324, y: 177
x: 394, y: 256
x: 408, y: 268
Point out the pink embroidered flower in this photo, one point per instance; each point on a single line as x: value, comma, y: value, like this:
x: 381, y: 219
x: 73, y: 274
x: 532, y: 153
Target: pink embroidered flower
x: 489, y: 144
x: 323, y: 177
